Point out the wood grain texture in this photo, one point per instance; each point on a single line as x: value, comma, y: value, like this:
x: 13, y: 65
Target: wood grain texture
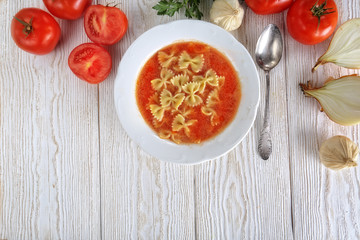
x: 325, y: 203
x: 49, y: 155
x: 68, y: 170
x: 241, y: 196
x: 141, y: 197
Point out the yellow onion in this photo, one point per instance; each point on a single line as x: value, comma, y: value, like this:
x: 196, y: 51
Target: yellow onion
x: 339, y: 99
x: 344, y: 48
x: 339, y: 152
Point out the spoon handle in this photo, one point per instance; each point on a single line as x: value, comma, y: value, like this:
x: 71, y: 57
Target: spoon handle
x: 265, y: 144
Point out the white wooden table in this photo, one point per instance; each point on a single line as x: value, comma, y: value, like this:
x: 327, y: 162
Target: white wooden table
x: 68, y: 170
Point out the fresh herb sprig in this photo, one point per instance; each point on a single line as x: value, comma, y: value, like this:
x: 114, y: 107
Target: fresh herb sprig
x: 170, y: 7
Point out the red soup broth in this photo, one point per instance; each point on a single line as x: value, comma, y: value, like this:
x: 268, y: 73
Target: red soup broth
x: 195, y: 123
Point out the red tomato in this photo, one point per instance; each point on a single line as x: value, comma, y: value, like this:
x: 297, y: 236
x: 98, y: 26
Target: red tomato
x: 105, y: 25
x: 312, y: 21
x: 90, y: 62
x: 67, y: 9
x: 265, y: 7
x: 35, y: 31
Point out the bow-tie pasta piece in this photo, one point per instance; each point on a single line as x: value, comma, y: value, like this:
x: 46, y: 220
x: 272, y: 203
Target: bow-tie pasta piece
x: 191, y: 89
x: 213, y: 98
x: 210, y: 78
x: 214, y: 118
x: 179, y: 123
x: 166, y: 60
x: 184, y: 71
x: 221, y: 81
x: 164, y: 134
x: 184, y: 110
x: 167, y: 99
x: 196, y: 63
x: 179, y: 81
x: 157, y: 111
x: 163, y: 81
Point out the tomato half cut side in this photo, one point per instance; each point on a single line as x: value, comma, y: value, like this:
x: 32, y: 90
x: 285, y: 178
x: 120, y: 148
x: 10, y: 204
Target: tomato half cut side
x: 90, y: 62
x: 105, y: 25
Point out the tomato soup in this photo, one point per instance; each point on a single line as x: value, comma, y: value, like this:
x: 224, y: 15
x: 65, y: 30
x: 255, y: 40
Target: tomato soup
x: 188, y: 92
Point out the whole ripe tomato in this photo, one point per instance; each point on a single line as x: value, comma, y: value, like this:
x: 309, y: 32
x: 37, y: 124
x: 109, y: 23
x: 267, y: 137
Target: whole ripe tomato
x: 264, y: 7
x: 312, y: 21
x: 105, y: 25
x: 90, y: 62
x: 35, y: 31
x: 67, y: 9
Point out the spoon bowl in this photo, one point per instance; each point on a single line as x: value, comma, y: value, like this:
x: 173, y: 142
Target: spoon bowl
x: 268, y: 53
x: 269, y: 48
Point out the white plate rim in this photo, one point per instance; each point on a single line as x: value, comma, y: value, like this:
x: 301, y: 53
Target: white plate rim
x: 143, y: 48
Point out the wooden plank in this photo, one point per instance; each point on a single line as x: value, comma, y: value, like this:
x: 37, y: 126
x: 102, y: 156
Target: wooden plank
x: 49, y: 169
x: 240, y: 196
x: 49, y: 158
x: 325, y: 203
x: 141, y: 197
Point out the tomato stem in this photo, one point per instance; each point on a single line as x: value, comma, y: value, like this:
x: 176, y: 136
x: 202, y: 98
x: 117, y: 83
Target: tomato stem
x: 27, y: 26
x: 320, y: 10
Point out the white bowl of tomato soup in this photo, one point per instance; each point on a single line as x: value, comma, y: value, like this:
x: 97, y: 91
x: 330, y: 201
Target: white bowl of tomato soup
x: 186, y: 91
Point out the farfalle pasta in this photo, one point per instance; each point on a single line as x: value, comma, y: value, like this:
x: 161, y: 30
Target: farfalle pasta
x: 179, y: 123
x: 210, y: 78
x: 163, y: 80
x: 213, y: 98
x: 179, y: 81
x: 194, y: 63
x: 208, y: 111
x: 157, y: 111
x: 192, y: 99
x: 188, y: 92
x: 168, y: 100
x: 165, y: 59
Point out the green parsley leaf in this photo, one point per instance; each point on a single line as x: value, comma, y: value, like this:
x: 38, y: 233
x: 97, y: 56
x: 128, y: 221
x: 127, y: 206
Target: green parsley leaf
x: 170, y: 7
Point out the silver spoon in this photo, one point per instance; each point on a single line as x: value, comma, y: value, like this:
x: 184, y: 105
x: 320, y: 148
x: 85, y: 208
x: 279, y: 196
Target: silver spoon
x: 268, y: 53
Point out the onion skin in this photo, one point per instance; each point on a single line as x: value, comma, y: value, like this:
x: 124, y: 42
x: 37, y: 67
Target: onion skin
x: 339, y: 152
x: 339, y: 99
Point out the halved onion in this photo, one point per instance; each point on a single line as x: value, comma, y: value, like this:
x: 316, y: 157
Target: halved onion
x: 344, y: 48
x: 339, y: 99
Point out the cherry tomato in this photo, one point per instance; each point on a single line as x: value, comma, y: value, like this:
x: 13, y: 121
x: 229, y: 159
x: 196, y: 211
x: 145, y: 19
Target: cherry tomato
x: 67, y: 9
x: 35, y: 31
x: 105, y: 25
x: 90, y: 62
x: 264, y: 7
x: 312, y: 21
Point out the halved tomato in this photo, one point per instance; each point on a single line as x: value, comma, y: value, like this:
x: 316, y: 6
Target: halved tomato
x: 105, y: 25
x: 90, y: 62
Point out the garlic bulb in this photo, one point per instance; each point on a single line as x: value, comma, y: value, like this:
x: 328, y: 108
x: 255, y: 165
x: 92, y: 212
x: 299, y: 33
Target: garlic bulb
x: 339, y: 98
x: 228, y: 14
x: 344, y: 48
x: 339, y: 152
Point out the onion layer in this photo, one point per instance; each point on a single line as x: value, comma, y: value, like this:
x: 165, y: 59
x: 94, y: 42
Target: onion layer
x: 339, y: 99
x: 344, y: 48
